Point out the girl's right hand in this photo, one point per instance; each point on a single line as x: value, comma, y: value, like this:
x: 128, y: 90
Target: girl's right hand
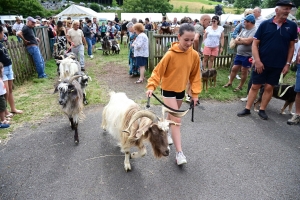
x: 149, y: 93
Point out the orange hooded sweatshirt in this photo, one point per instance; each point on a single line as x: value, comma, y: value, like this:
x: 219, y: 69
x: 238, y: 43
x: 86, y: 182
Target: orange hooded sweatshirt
x: 176, y: 69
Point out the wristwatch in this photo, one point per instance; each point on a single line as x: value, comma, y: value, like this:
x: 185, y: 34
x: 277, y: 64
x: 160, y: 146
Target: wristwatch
x: 288, y: 63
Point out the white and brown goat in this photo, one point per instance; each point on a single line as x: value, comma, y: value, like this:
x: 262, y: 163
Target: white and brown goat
x: 131, y: 126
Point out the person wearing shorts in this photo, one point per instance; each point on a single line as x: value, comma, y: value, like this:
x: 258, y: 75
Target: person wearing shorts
x: 272, y: 49
x: 141, y: 50
x: 171, y: 94
x: 296, y: 117
x: 244, y: 52
x: 178, y: 66
x: 214, y: 35
x: 8, y: 77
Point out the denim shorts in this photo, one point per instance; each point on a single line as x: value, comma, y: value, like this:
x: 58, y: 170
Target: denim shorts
x: 297, y: 85
x: 270, y: 75
x: 171, y: 94
x: 141, y: 61
x: 242, y: 61
x: 8, y: 73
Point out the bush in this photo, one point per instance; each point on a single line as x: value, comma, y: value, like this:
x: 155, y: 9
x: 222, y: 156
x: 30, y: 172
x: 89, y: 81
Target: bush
x: 210, y: 10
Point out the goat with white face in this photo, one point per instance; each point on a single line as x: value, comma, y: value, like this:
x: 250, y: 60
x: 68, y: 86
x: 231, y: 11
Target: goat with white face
x: 124, y: 120
x: 71, y: 101
x: 68, y: 67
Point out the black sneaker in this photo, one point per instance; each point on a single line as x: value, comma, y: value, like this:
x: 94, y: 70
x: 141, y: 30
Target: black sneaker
x: 244, y: 113
x: 263, y: 114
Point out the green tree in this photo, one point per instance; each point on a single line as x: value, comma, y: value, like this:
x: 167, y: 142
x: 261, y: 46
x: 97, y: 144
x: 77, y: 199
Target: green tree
x: 95, y: 7
x: 247, y: 3
x: 24, y: 7
x: 144, y: 6
x: 298, y: 13
x: 186, y: 9
x: 178, y: 10
x: 114, y: 3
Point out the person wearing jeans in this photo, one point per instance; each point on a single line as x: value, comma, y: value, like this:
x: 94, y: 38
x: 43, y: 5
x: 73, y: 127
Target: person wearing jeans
x: 76, y: 38
x: 88, y: 34
x: 79, y: 50
x: 31, y: 43
x: 38, y: 59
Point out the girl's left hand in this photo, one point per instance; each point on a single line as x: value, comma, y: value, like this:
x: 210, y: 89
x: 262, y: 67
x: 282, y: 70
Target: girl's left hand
x: 149, y: 93
x: 195, y: 99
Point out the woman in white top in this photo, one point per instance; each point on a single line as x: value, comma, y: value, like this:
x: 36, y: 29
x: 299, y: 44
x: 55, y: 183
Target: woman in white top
x: 213, y: 36
x: 141, y: 50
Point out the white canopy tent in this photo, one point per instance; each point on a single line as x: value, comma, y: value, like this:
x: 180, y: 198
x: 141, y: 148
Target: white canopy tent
x: 153, y: 17
x: 77, y: 12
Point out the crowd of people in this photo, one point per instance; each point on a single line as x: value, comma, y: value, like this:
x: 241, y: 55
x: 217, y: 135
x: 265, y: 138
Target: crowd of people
x: 178, y: 73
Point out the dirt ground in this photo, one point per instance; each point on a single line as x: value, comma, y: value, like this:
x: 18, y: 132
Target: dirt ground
x: 115, y: 78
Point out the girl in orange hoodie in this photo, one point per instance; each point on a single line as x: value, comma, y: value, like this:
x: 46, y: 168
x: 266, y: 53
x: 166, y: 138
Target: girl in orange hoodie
x: 179, y: 66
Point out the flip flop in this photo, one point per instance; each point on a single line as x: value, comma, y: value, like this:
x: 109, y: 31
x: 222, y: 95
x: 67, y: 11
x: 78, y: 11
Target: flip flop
x: 237, y: 89
x: 9, y: 115
x: 17, y: 112
x: 5, y: 122
x: 227, y: 85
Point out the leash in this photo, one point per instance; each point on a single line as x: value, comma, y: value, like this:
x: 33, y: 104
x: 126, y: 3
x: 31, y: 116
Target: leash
x: 283, y: 93
x: 280, y: 85
x: 191, y: 106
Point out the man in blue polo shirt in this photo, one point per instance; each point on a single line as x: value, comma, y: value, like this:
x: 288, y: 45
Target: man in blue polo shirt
x: 272, y: 49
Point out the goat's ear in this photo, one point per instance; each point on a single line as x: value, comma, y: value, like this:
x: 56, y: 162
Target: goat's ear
x: 55, y: 90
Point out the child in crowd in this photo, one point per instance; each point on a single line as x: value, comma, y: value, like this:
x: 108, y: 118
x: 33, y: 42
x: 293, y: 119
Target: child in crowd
x: 118, y: 36
x: 178, y: 66
x: 4, y: 123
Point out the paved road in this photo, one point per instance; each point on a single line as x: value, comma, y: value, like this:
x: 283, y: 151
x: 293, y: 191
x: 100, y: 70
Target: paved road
x: 228, y: 158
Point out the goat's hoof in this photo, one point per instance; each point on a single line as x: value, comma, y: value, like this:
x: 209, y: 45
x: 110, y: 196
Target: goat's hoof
x: 127, y: 167
x: 76, y: 142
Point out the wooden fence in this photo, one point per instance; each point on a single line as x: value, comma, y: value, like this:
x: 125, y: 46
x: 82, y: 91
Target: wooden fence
x: 22, y: 63
x: 159, y: 45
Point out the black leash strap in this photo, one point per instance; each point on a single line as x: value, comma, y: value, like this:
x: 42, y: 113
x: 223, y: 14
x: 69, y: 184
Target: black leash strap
x: 191, y: 106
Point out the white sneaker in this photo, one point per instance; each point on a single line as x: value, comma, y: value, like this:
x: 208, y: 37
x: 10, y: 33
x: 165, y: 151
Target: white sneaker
x: 180, y: 158
x: 244, y: 99
x: 187, y: 98
x: 170, y: 140
x: 91, y: 56
x: 237, y: 77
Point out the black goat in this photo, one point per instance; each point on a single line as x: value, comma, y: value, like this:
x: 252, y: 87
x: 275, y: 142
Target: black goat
x: 71, y: 101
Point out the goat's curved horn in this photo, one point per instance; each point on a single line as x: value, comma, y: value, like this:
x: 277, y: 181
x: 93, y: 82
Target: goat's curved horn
x: 175, y: 114
x: 140, y: 114
x: 73, y: 78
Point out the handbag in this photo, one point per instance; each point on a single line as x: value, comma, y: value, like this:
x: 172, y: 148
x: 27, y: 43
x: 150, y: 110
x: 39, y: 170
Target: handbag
x: 232, y: 43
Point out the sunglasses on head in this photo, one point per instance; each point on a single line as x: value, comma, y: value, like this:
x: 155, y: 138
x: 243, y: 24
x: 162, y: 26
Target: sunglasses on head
x: 213, y: 20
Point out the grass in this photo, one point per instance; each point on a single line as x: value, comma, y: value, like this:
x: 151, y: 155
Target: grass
x: 196, y: 5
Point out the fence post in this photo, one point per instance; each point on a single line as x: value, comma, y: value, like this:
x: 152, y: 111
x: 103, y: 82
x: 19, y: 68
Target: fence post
x: 151, y: 50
